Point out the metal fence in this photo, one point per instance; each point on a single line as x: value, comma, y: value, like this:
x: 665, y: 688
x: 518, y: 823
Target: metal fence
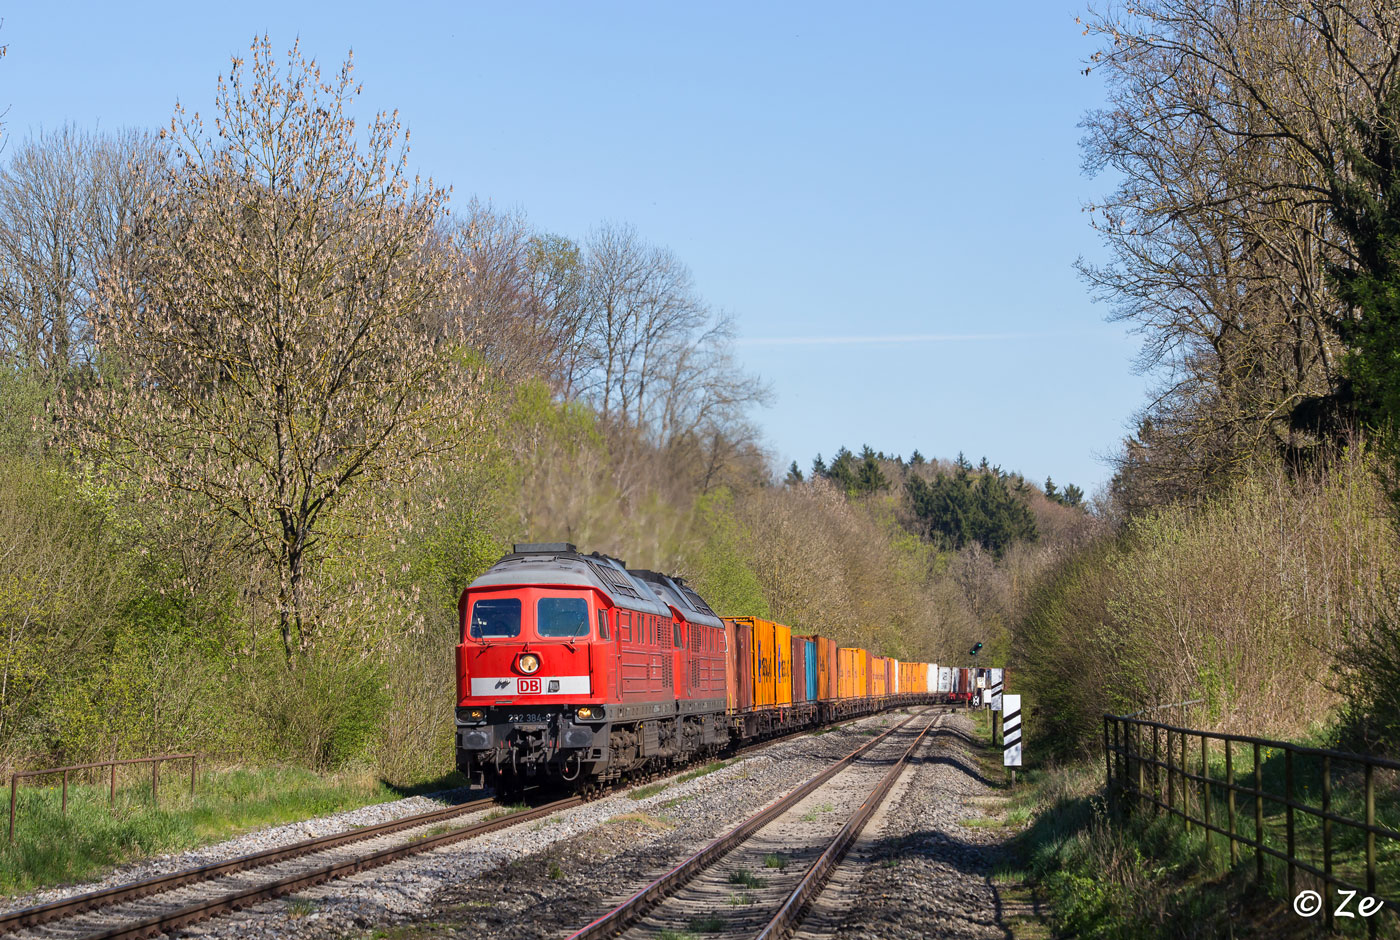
x: 112, y: 766
x: 1154, y: 766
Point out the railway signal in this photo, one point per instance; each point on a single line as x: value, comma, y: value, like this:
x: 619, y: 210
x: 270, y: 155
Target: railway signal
x: 976, y: 648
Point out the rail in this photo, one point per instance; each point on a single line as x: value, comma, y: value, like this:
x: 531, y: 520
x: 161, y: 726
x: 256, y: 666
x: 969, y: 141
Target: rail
x: 155, y: 763
x: 1151, y: 765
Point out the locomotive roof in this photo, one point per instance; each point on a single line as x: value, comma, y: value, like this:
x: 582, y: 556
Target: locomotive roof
x: 676, y: 593
x: 561, y: 563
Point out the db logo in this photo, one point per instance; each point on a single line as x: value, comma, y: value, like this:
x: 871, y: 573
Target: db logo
x: 527, y: 686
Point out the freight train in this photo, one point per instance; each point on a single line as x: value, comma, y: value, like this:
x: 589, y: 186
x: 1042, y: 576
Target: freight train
x: 574, y: 669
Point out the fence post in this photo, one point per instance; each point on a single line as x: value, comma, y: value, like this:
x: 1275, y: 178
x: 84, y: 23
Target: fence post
x: 1258, y: 817
x: 1156, y: 759
x: 1371, y: 841
x: 1171, y: 774
x: 1288, y: 794
x: 1185, y: 784
x: 1140, y: 750
x: 1120, y: 765
x: 112, y: 790
x: 13, y: 779
x: 155, y: 783
x: 1327, y: 836
x: 1205, y: 791
x: 1230, y: 799
x: 193, y: 758
x: 65, y: 793
x: 1107, y: 765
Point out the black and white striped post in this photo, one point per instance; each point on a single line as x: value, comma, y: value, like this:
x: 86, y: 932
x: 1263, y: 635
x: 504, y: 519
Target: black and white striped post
x: 1011, y: 733
x: 997, y: 685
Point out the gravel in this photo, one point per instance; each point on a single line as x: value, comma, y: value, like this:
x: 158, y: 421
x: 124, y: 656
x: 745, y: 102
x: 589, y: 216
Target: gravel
x: 245, y: 844
x: 538, y: 879
x: 917, y: 871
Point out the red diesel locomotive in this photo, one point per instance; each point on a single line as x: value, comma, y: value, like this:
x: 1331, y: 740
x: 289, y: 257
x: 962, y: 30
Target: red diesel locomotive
x: 573, y: 669
x: 571, y: 666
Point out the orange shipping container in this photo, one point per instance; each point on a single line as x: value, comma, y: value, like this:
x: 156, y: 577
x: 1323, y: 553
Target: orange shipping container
x: 878, y: 677
x: 827, y: 648
x: 846, y: 673
x: 769, y: 662
x: 912, y: 680
x: 855, y: 680
x: 731, y: 649
x: 764, y: 663
x: 782, y: 644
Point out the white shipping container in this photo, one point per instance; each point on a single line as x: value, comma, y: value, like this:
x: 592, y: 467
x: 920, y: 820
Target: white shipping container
x: 945, y: 678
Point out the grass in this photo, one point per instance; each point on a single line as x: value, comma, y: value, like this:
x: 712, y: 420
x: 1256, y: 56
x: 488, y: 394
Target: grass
x: 297, y: 908
x: 53, y: 848
x: 1144, y: 876
x: 811, y: 814
x: 746, y: 878
x: 506, y: 810
x: 651, y: 789
x: 651, y: 822
x: 702, y: 771
x: 672, y: 804
x: 711, y: 924
x: 774, y: 860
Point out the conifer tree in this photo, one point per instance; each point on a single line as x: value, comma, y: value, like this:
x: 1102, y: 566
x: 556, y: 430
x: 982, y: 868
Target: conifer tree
x: 1366, y: 206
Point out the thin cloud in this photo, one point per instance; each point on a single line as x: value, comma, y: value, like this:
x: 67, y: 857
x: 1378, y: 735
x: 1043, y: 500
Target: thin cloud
x: 907, y: 338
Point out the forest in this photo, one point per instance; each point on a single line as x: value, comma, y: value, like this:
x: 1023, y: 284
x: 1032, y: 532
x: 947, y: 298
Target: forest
x: 268, y: 401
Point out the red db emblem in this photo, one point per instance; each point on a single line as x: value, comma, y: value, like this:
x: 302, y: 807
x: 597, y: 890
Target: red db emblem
x: 527, y: 686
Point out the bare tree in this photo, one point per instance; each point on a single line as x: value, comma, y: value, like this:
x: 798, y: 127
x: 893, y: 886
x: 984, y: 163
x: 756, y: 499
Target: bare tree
x: 1224, y: 125
x: 523, y: 306
x: 69, y: 201
x: 271, y: 354
x: 643, y: 311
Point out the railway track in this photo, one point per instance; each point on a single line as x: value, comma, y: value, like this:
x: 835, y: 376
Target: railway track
x: 758, y: 879
x: 163, y: 903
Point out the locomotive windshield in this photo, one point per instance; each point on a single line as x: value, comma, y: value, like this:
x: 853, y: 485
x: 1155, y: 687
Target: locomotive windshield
x: 561, y: 617
x: 498, y: 617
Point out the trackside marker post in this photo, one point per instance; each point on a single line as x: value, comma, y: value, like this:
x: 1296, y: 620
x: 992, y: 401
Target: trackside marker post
x: 994, y: 693
x: 1011, y: 733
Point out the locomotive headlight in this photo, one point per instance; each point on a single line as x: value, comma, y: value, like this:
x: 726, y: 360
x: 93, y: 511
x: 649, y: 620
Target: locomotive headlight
x: 590, y: 713
x: 585, y: 713
x: 528, y: 663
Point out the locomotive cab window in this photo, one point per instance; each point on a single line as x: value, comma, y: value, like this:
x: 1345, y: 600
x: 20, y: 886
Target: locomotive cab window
x: 496, y: 617
x: 561, y: 617
x: 603, y: 625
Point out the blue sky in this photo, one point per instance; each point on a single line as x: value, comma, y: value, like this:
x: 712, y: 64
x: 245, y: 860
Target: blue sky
x: 885, y: 196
